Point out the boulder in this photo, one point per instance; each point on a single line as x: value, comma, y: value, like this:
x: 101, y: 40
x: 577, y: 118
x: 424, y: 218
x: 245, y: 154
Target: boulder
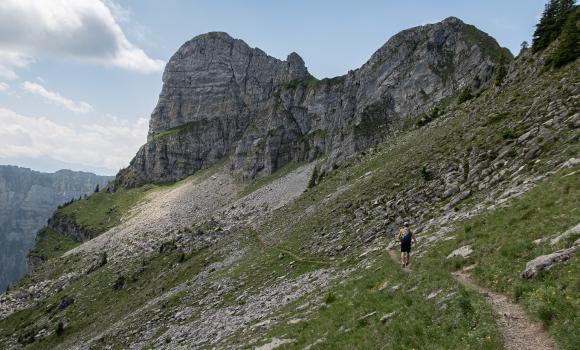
x: 464, y: 251
x: 545, y: 262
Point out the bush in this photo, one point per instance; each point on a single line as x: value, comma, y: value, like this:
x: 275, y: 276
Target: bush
x: 59, y: 329
x: 329, y: 298
x: 426, y: 118
x: 465, y: 302
x: 465, y: 95
x: 508, y: 134
x: 519, y: 291
x: 544, y: 302
x: 119, y: 283
x: 426, y: 174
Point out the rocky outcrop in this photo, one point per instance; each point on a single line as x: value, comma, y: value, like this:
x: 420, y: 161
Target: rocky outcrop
x: 69, y: 228
x: 545, y: 262
x: 222, y: 98
x: 213, y: 87
x: 555, y: 239
x: 27, y: 200
x: 463, y: 252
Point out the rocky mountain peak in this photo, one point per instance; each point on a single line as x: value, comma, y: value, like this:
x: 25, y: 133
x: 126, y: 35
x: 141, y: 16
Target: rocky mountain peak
x: 296, y: 65
x: 452, y: 20
x: 215, y: 67
x: 220, y: 97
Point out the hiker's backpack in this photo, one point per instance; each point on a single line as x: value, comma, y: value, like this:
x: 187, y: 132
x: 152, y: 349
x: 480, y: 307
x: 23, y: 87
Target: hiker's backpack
x: 407, y: 235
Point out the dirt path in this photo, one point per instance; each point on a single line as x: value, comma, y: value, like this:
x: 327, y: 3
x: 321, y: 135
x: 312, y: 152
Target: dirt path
x: 518, y: 331
x: 297, y: 257
x: 396, y: 256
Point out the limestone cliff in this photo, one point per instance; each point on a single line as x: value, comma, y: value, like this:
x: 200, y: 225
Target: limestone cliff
x: 222, y: 98
x: 27, y: 199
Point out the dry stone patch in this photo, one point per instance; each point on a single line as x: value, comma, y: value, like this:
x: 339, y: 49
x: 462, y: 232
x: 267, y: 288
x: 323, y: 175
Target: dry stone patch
x: 165, y: 211
x: 214, y: 325
x: 253, y: 208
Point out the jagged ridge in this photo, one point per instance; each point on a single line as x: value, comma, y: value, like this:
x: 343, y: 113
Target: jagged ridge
x: 222, y: 98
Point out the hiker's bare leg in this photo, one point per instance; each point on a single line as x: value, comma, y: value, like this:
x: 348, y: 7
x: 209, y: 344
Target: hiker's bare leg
x: 408, y: 259
x: 402, y: 258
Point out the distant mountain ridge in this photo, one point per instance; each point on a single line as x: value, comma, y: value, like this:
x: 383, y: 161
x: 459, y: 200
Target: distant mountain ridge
x: 27, y: 199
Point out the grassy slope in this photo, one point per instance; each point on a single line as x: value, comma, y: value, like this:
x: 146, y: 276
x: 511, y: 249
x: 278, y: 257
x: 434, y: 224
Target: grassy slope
x: 396, y: 167
x: 502, y: 241
x: 461, y: 321
x: 102, y: 211
x: 51, y: 244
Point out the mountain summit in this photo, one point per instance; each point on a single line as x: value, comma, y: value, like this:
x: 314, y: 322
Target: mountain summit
x: 222, y: 98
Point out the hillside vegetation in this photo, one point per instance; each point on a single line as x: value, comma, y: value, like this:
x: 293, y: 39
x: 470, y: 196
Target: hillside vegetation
x: 306, y: 257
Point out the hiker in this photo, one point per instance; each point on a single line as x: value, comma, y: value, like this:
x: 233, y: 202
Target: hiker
x: 406, y: 236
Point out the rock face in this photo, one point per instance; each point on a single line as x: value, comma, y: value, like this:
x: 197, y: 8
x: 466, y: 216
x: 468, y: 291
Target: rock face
x: 27, y: 200
x: 222, y: 98
x: 69, y: 228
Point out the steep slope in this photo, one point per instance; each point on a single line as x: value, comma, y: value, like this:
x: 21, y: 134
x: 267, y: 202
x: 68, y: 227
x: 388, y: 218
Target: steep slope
x: 222, y: 98
x: 297, y: 259
x: 27, y: 199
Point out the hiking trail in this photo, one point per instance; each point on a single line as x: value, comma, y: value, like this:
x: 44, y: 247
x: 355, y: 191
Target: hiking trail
x: 396, y: 256
x: 517, y: 330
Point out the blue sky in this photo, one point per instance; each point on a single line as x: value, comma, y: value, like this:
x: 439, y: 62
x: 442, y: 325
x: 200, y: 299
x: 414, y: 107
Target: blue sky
x: 77, y: 91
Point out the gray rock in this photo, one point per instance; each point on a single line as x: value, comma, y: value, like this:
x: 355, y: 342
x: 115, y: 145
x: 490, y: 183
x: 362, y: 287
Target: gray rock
x: 558, y: 237
x: 544, y: 262
x: 570, y: 163
x: 534, y: 152
x: 275, y: 343
x: 450, y: 191
x: 464, y: 251
x: 367, y: 316
x: 222, y: 98
x: 388, y: 316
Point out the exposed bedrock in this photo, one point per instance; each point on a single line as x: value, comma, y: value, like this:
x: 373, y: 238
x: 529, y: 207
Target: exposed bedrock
x: 220, y: 97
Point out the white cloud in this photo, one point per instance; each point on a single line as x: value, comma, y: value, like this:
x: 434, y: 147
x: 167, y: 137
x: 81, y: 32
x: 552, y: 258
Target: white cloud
x: 83, y: 30
x: 4, y: 86
x: 120, y: 13
x: 110, y: 146
x: 56, y: 98
x: 9, y: 61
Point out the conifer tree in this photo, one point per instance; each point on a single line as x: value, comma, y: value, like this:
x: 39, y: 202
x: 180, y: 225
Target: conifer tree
x: 551, y: 23
x: 568, y: 48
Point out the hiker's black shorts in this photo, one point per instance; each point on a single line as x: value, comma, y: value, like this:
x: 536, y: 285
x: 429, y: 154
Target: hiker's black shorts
x: 405, y: 247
